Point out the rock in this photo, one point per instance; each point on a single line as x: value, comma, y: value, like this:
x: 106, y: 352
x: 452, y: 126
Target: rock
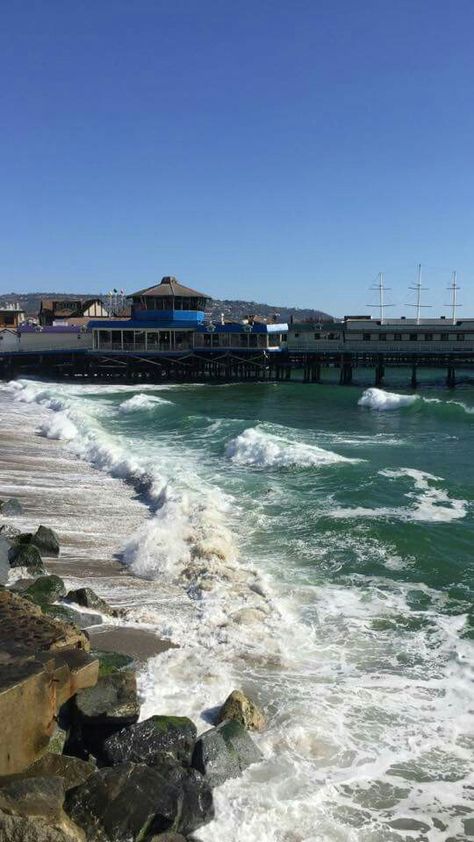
x: 11, y: 507
x: 167, y: 837
x: 65, y: 613
x: 4, y: 561
x: 238, y: 706
x: 71, y: 770
x: 38, y: 796
x: 154, y: 741
x: 26, y: 555
x: 20, y: 829
x: 46, y: 540
x: 110, y: 662
x: 100, y: 711
x: 129, y: 801
x: 224, y: 752
x: 57, y: 741
x: 45, y: 589
x: 89, y: 599
x: 9, y: 532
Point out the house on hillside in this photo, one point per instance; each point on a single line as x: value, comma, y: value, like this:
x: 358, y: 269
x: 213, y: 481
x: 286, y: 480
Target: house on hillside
x: 53, y: 311
x: 11, y: 316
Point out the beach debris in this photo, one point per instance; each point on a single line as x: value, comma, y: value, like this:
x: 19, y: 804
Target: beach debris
x: 131, y: 800
x: 87, y: 598
x: 241, y: 708
x: 10, y: 507
x: 224, y: 752
x: 154, y: 741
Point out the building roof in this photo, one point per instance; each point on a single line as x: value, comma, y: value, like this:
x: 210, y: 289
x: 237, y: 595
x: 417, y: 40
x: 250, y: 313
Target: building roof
x: 169, y: 287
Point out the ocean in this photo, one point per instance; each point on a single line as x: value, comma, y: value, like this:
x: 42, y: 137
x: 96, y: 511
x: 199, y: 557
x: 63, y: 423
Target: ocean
x: 310, y: 544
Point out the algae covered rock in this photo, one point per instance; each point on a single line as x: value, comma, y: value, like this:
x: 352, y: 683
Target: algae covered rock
x: 26, y: 555
x: 224, y: 752
x: 46, y: 540
x: 240, y: 707
x: 87, y: 598
x: 45, y: 589
x: 110, y: 662
x: 132, y: 801
x: 154, y: 741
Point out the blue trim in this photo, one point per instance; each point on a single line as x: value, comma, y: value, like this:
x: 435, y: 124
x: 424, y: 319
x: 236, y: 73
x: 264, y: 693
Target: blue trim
x: 192, y: 317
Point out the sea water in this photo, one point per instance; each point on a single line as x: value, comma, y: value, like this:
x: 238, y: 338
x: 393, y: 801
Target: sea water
x: 313, y: 545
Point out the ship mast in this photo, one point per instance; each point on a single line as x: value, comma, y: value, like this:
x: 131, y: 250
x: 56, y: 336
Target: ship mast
x: 381, y: 289
x: 418, y: 288
x: 454, y: 300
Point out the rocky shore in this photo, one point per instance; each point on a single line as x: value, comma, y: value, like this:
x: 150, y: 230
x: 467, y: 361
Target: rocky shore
x: 77, y: 764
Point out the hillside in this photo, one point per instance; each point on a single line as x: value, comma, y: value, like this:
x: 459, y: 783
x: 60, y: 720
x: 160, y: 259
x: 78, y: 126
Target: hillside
x: 231, y: 308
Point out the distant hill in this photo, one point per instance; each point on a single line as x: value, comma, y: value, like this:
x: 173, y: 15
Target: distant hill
x: 231, y: 308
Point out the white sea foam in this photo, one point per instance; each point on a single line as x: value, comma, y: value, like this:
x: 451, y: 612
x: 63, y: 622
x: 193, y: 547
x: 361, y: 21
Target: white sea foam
x: 142, y: 402
x: 382, y: 401
x: 430, y: 504
x: 59, y: 427
x: 257, y: 448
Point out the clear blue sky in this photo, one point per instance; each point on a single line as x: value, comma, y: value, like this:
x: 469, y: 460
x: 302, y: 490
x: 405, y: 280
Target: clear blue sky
x: 280, y: 151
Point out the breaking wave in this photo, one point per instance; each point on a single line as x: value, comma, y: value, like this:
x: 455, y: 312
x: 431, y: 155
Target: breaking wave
x: 381, y: 401
x: 259, y: 449
x: 139, y: 402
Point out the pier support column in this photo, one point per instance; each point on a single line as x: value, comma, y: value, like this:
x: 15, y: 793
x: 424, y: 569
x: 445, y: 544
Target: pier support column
x: 414, y: 381
x: 451, y: 377
x: 379, y: 372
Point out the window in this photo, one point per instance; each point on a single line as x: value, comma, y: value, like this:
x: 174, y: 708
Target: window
x: 428, y: 337
x: 413, y: 337
x: 461, y: 337
x: 398, y: 337
x: 9, y: 319
x: 296, y: 335
x: 152, y: 339
x: 316, y: 335
x: 383, y: 337
x: 366, y: 337
x: 444, y: 337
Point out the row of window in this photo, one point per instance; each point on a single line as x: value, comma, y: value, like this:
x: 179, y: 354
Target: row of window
x: 167, y: 340
x: 395, y: 337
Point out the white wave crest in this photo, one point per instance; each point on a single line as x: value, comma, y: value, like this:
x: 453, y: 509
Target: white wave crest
x: 257, y: 448
x: 382, y: 401
x: 139, y: 402
x: 59, y: 427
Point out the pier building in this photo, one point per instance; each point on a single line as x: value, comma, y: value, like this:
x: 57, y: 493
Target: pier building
x: 11, y: 316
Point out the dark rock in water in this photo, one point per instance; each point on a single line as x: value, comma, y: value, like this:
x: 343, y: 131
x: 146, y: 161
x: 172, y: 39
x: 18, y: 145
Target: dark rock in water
x: 154, y: 741
x: 240, y: 707
x: 71, y: 770
x: 224, y: 752
x: 46, y: 540
x: 11, y: 507
x: 22, y: 538
x: 88, y: 599
x: 42, y: 796
x: 45, y: 589
x: 26, y: 555
x: 110, y: 662
x: 97, y: 715
x: 129, y: 801
x: 64, y: 613
x: 9, y: 532
x: 20, y: 829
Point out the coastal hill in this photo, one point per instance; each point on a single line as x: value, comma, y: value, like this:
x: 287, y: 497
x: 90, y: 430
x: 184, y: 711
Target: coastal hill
x: 231, y: 308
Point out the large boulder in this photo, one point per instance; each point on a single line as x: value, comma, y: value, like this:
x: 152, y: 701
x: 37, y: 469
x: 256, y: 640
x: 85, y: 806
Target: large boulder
x: 100, y: 711
x: 21, y: 829
x: 154, y: 741
x: 87, y: 598
x: 71, y: 770
x: 238, y: 706
x: 45, y: 589
x: 110, y: 662
x: 9, y: 532
x: 46, y: 540
x: 129, y: 801
x: 224, y: 752
x: 10, y: 507
x: 37, y: 796
x: 26, y: 555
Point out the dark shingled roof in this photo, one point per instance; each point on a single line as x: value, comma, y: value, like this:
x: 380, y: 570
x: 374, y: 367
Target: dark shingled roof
x: 169, y: 286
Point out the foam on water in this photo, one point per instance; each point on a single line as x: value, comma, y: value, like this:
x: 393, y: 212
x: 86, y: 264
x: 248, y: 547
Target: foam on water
x: 141, y: 402
x: 368, y: 700
x: 382, y: 401
x: 259, y: 449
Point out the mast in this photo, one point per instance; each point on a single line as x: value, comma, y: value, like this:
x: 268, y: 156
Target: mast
x: 418, y: 288
x: 381, y: 289
x: 454, y: 300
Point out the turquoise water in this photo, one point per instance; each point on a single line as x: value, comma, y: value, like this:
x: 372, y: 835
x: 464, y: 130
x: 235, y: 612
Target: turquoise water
x: 321, y: 553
